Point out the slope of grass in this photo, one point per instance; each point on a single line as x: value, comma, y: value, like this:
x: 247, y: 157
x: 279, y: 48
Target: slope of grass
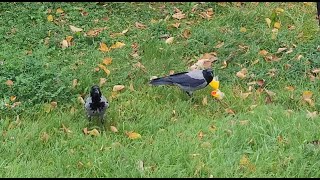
x: 179, y: 137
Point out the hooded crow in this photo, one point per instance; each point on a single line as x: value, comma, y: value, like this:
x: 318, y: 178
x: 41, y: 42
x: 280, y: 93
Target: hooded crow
x: 96, y: 104
x: 187, y: 81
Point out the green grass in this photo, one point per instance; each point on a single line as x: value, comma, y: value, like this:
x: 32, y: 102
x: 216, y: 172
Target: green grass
x: 273, y: 142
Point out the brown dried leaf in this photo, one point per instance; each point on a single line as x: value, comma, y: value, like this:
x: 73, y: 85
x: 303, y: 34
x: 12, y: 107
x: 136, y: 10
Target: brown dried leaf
x: 263, y: 52
x: 178, y: 15
x: 176, y: 25
x: 280, y: 50
x: 169, y: 40
x: 290, y: 88
x: 53, y: 104
x: 75, y: 29
x: 65, y: 129
x: 186, y: 33
x: 64, y: 44
x: 117, y: 45
x: 140, y: 66
x: 200, y: 135
x: 230, y: 111
x: 205, y: 101
x: 102, y: 81
x: 94, y: 132
x: 220, y: 44
x: 80, y: 99
x: 260, y: 82
x: 107, y: 71
x: 113, y: 129
x: 118, y: 88
x: 140, y: 25
x: 311, y: 115
x: 45, y: 137
x: 244, y: 95
x: 316, y: 71
x: 85, y: 131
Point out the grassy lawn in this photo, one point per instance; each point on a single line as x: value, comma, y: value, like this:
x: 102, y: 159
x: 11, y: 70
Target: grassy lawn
x: 262, y: 128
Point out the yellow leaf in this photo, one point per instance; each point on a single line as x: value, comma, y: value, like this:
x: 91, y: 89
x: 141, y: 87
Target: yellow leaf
x: 74, y: 83
x: 69, y: 39
x: 65, y: 129
x: 219, y: 45
x: 117, y: 45
x: 107, y: 61
x: 205, y: 101
x: 243, y: 29
x: 277, y: 25
x: 113, y: 129
x: 47, y: 108
x: 131, y: 87
x: 85, y: 131
x: 104, y: 69
x: 268, y: 22
x: 274, y: 33
x: 104, y: 47
x: 186, y: 33
x: 279, y: 10
x: 169, y: 40
x: 307, y: 95
x: 50, y: 18
x: 94, y: 132
x: 118, y: 88
x: 133, y: 135
x: 289, y: 88
x: 59, y: 10
x: 75, y: 29
x: 244, y: 161
x: 263, y: 52
x: 244, y: 95
x: 12, y: 98
x: 80, y: 99
x: 102, y: 81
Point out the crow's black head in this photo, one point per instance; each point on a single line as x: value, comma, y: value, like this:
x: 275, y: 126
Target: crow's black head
x: 95, y: 93
x: 208, y: 75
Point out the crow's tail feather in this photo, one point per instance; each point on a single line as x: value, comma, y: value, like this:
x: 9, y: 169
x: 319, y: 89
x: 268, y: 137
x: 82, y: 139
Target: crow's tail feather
x: 161, y: 81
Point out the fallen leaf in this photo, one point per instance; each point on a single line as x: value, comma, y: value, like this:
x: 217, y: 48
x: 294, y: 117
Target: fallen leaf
x: 260, y: 82
x: 279, y: 10
x: 291, y: 27
x: 244, y: 122
x: 45, y: 137
x: 140, y: 166
x: 74, y: 83
x: 289, y: 88
x: 94, y: 132
x: 102, y: 81
x: 230, y: 111
x: 140, y: 66
x: 64, y: 44
x: 274, y: 33
x: 316, y: 71
x: 271, y: 58
x: 133, y: 135
x: 243, y: 29
x: 306, y: 96
x: 171, y: 72
x: 12, y: 98
x: 107, y: 71
x: 113, y: 129
x: 131, y: 87
x: 277, y: 25
x: 186, y: 33
x: 242, y: 73
x: 50, y: 18
x: 169, y: 40
x: 80, y: 99
x: 205, y: 101
x: 103, y: 47
x: 268, y: 22
x: 311, y: 115
x: 96, y: 69
x: 200, y: 135
x: 212, y: 128
x: 176, y: 25
x: 299, y: 57
x: 263, y: 52
x: 107, y: 61
x: 208, y: 14
x: 95, y: 32
x: 140, y: 25
x: 73, y: 110
x: 280, y: 50
x: 75, y: 29
x: 69, y: 39
x: 118, y: 88
x: 244, y: 161
x: 178, y: 15
x: 117, y: 45
x: 85, y: 131
x: 65, y: 129
x: 59, y: 10
x: 270, y: 93
x: 244, y: 95
x: 53, y: 104
x: 220, y: 44
x: 224, y: 65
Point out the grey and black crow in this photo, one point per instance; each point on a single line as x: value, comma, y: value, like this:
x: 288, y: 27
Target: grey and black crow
x: 96, y: 104
x: 187, y: 81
